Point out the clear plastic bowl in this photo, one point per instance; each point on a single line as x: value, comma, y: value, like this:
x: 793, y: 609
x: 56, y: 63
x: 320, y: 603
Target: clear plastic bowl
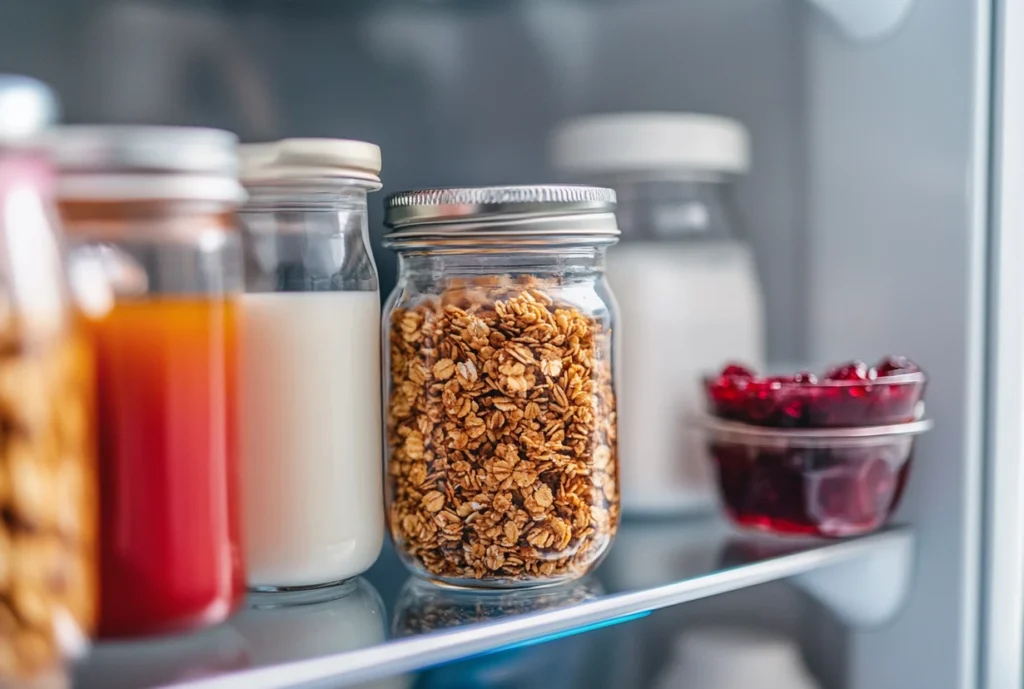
x: 823, y: 482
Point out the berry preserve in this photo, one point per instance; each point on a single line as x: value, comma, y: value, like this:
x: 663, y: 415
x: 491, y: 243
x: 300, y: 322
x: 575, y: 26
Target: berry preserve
x: 827, y: 456
x: 810, y: 491
x: 847, y: 395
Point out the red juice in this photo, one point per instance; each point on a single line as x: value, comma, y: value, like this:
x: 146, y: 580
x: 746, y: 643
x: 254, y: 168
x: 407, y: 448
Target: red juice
x: 170, y: 535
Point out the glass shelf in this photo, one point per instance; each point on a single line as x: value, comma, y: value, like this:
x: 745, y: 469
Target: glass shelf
x: 387, y: 624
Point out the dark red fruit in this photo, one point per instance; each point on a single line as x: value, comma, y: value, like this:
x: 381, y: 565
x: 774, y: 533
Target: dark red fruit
x: 827, y: 492
x: 737, y: 371
x: 895, y: 366
x: 801, y: 401
x: 854, y: 370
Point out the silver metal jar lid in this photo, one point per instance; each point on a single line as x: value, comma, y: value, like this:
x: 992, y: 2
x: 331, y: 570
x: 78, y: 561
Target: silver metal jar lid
x: 576, y: 213
x: 144, y: 162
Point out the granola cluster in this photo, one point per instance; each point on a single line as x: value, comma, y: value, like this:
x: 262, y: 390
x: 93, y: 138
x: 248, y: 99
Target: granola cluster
x: 47, y: 505
x: 501, y: 432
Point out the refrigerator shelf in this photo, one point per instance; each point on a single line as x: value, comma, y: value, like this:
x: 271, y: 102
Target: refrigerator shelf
x: 345, y: 635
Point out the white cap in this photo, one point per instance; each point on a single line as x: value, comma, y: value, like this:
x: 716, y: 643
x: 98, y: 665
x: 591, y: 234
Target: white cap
x: 27, y: 106
x: 649, y: 142
x: 304, y: 159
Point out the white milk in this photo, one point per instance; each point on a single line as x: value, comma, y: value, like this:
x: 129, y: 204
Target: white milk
x: 311, y: 434
x: 685, y: 308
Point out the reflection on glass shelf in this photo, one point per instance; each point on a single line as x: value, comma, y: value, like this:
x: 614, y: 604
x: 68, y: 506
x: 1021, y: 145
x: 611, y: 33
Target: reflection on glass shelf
x: 175, y: 659
x: 423, y: 607
x: 271, y: 628
x: 557, y: 663
x: 338, y: 636
x: 286, y: 626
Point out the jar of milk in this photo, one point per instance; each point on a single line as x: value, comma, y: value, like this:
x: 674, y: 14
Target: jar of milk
x: 311, y: 433
x: 685, y: 281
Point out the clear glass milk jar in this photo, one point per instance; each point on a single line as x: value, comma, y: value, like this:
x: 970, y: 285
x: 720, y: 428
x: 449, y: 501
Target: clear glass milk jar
x: 48, y: 505
x: 311, y: 442
x: 152, y: 209
x: 500, y: 430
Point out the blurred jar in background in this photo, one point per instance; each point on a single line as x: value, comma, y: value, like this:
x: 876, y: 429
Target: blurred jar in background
x: 686, y: 284
x: 311, y: 447
x: 152, y: 209
x: 48, y: 509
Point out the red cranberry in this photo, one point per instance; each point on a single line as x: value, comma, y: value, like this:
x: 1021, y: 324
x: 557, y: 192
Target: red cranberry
x: 854, y: 370
x: 799, y: 401
x: 895, y: 366
x: 829, y: 492
x: 737, y: 371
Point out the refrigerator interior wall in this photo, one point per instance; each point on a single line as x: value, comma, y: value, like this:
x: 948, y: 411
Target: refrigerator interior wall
x: 896, y: 213
x: 864, y: 206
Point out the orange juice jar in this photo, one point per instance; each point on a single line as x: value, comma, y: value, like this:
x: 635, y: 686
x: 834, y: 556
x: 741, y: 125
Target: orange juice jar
x: 152, y: 210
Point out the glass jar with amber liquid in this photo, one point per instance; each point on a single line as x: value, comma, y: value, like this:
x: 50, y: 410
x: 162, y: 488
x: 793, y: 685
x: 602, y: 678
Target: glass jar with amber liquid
x: 151, y: 210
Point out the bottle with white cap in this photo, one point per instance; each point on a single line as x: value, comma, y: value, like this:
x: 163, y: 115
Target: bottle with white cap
x: 311, y: 443
x: 685, y: 281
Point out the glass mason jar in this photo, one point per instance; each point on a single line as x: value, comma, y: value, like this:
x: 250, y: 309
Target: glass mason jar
x: 311, y: 446
x: 502, y: 467
x: 48, y: 504
x: 152, y: 209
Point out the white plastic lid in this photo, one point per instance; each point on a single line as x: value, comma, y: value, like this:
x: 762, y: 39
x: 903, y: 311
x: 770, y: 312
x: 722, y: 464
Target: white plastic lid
x: 650, y: 141
x: 304, y: 159
x: 27, y: 106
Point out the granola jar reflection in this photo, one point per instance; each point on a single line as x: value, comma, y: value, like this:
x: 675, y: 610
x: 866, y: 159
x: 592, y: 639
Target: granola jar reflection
x: 48, y: 504
x: 502, y: 467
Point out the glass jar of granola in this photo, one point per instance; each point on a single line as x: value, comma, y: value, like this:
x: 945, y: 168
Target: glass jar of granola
x: 49, y: 510
x: 502, y: 468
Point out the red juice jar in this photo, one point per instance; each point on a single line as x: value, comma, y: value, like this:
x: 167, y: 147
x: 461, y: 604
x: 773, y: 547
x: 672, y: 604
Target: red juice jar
x: 152, y: 210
